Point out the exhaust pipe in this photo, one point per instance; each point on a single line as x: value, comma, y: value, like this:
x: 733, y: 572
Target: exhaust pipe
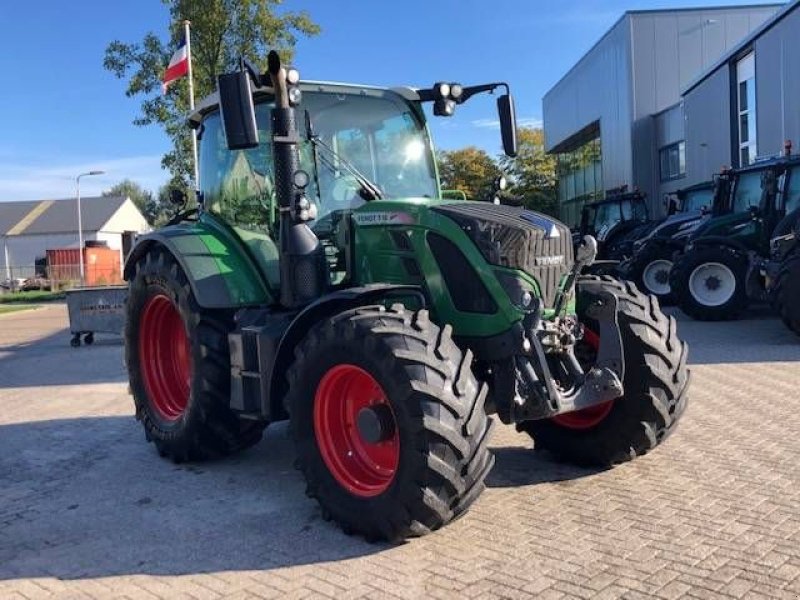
x: 303, y: 269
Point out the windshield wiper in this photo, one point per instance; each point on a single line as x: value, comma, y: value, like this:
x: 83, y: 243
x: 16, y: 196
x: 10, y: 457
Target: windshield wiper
x: 369, y: 190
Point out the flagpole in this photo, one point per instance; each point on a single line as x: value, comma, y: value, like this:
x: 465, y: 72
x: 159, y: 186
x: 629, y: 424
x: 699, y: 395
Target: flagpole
x: 191, y: 102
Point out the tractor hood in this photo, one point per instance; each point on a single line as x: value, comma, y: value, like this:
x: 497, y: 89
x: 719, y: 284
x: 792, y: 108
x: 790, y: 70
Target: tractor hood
x: 517, y: 238
x: 673, y: 224
x: 735, y: 224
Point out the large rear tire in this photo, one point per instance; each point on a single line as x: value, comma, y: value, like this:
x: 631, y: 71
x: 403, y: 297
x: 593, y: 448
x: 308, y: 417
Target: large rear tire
x: 709, y: 283
x: 179, y: 366
x: 785, y: 292
x: 389, y: 422
x: 655, y: 382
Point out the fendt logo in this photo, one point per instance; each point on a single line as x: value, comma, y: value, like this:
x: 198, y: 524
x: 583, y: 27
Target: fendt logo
x: 549, y: 261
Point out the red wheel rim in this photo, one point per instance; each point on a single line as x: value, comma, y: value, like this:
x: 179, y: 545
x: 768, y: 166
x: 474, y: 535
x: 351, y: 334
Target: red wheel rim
x: 588, y: 417
x: 165, y: 357
x: 364, y: 469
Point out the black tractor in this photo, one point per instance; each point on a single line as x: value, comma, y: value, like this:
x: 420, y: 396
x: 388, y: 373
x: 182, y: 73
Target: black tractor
x: 651, y: 260
x: 781, y: 272
x: 721, y: 270
x: 615, y: 222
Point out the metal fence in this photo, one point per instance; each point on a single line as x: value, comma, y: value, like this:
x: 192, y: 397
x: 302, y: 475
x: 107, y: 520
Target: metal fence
x: 57, y: 277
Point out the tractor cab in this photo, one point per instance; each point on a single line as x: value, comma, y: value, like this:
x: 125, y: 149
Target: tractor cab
x: 359, y: 134
x: 613, y: 219
x: 760, y: 197
x: 695, y: 199
x: 355, y: 144
x: 724, y: 259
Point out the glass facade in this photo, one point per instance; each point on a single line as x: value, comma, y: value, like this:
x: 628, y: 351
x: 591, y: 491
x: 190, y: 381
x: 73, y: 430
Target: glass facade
x: 580, y: 179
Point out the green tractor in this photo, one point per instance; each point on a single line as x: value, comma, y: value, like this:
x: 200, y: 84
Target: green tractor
x: 325, y: 281
x: 720, y: 271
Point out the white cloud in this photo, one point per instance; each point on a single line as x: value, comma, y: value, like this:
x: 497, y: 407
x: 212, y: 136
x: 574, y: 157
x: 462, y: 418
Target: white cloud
x: 495, y: 124
x: 51, y: 181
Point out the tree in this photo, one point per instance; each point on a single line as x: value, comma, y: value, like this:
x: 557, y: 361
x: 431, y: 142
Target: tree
x: 470, y: 170
x: 149, y: 205
x: 532, y: 173
x: 222, y: 31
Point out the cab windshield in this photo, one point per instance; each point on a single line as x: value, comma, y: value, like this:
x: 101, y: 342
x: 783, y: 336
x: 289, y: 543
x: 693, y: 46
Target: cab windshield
x: 375, y: 131
x: 633, y: 210
x: 748, y: 191
x: 696, y: 200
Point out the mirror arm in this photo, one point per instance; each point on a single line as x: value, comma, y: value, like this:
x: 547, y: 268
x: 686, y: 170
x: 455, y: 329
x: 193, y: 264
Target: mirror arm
x: 257, y: 78
x: 429, y: 95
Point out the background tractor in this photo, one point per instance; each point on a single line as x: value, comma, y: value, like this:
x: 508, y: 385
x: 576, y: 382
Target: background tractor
x: 325, y: 281
x: 615, y: 222
x: 781, y: 273
x: 721, y: 272
x: 651, y: 261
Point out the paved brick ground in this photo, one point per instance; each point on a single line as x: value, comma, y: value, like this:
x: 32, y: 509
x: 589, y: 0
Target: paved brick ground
x: 87, y: 509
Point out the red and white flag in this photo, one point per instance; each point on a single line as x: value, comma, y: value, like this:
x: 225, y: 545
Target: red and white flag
x: 178, y: 66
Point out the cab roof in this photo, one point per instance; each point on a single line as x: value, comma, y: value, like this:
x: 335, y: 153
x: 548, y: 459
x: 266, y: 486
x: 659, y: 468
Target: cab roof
x: 211, y: 102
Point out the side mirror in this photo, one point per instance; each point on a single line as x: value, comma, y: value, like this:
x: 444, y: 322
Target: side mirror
x: 508, y: 123
x: 238, y: 111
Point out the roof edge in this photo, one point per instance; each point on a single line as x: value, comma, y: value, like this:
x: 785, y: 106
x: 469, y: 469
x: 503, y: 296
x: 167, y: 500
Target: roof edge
x: 744, y: 44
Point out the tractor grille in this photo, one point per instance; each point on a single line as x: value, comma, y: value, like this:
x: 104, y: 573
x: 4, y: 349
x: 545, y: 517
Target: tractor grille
x: 521, y: 239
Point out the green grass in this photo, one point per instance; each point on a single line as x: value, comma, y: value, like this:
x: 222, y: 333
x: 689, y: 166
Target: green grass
x: 24, y: 297
x: 6, y: 308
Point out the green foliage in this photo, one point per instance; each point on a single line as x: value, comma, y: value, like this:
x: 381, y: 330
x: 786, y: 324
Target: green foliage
x: 532, y: 173
x: 34, y: 296
x: 222, y: 31
x: 15, y: 308
x: 144, y: 200
x: 470, y: 170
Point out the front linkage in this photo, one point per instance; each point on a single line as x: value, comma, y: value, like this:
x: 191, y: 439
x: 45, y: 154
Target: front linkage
x: 549, y: 379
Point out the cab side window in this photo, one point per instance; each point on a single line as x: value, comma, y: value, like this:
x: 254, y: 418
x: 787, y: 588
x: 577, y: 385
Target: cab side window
x: 791, y: 195
x: 237, y: 185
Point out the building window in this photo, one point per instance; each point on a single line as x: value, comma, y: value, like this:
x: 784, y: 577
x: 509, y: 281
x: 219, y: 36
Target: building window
x: 746, y: 101
x: 580, y: 178
x: 673, y: 161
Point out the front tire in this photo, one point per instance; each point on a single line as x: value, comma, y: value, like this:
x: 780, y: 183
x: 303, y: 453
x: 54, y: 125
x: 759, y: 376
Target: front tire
x: 179, y: 366
x: 785, y: 292
x: 650, y: 270
x: 709, y: 283
x: 419, y: 458
x: 655, y: 382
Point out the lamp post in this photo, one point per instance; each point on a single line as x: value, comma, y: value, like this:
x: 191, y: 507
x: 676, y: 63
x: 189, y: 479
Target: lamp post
x: 80, y: 221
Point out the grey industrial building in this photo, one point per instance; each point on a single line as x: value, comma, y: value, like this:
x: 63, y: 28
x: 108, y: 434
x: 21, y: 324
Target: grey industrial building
x: 618, y: 117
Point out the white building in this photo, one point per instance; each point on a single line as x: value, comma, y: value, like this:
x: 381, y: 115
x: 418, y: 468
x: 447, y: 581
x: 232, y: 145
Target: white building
x: 28, y: 229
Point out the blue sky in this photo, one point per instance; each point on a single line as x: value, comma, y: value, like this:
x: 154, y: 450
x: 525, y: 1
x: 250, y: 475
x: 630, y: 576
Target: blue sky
x: 61, y: 113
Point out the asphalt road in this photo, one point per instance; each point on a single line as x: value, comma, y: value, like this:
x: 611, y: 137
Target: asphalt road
x: 88, y: 509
